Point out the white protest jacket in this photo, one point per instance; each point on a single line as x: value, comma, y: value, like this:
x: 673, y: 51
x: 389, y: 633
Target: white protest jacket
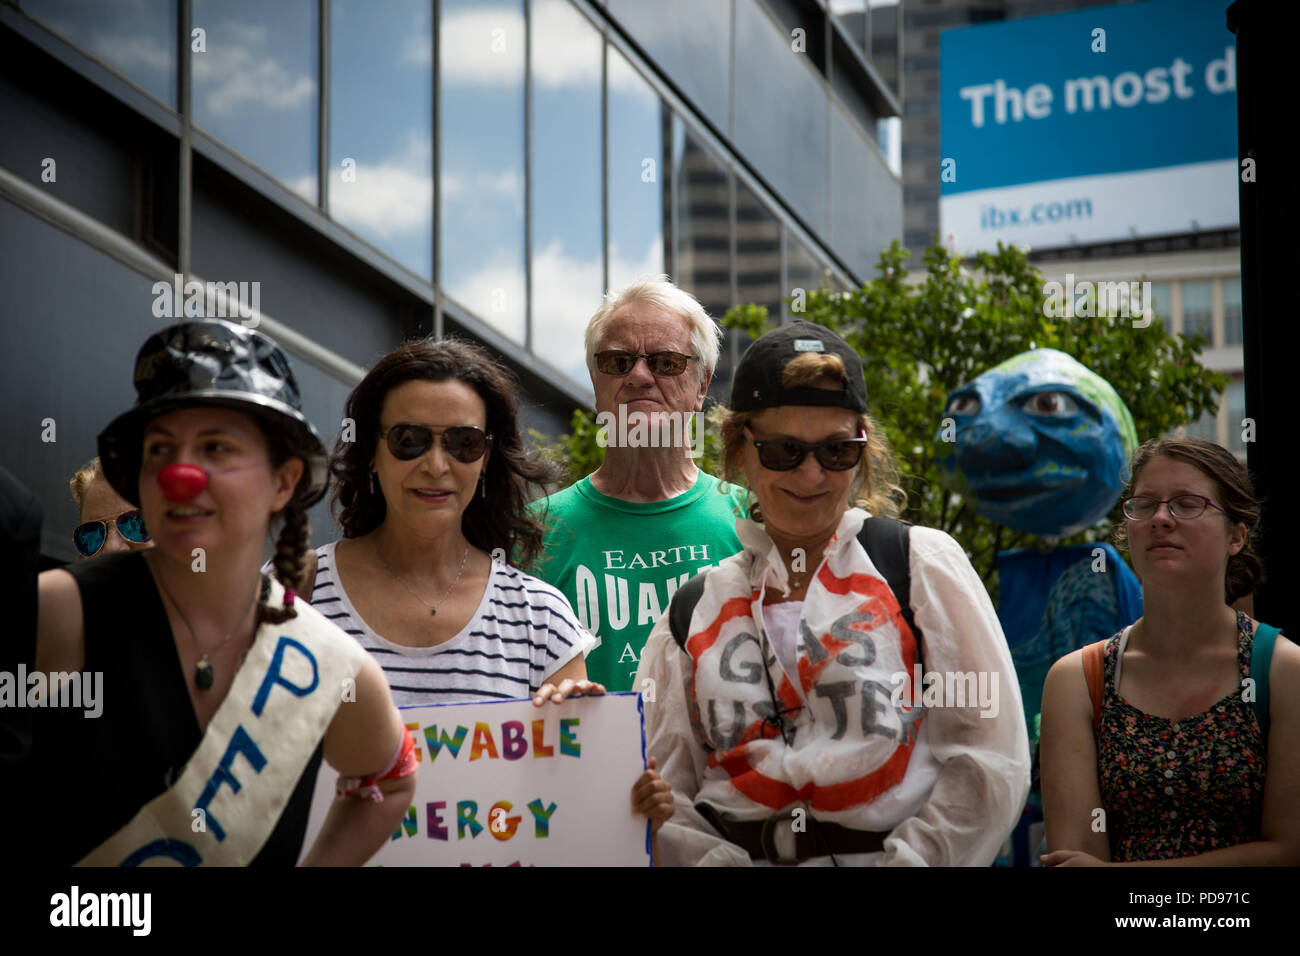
x: 946, y: 783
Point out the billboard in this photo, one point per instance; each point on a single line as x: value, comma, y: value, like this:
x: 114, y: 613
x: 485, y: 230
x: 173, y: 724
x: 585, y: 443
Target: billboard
x: 1107, y: 123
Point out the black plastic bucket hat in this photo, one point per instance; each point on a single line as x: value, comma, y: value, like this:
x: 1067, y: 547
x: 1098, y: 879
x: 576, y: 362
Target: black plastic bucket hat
x: 212, y: 363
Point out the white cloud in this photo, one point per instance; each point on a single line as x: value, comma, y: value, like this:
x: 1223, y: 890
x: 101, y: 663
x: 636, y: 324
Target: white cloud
x: 388, y: 198
x: 566, y: 294
x: 496, y: 284
x: 467, y: 48
x: 622, y: 269
x: 241, y: 69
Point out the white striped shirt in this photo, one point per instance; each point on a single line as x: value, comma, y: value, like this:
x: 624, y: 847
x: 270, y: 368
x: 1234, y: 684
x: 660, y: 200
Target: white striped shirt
x: 522, y: 633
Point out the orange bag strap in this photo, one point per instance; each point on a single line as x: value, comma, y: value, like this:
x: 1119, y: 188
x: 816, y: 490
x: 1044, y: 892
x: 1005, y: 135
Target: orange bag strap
x: 1094, y: 672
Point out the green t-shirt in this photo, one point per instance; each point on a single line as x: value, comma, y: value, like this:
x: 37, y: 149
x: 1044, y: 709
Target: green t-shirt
x: 619, y: 562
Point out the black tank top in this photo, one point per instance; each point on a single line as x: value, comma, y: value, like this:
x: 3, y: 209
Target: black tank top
x: 113, y: 765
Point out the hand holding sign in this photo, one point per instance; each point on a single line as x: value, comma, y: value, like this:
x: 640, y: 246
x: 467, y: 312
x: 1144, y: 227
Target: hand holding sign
x: 504, y: 783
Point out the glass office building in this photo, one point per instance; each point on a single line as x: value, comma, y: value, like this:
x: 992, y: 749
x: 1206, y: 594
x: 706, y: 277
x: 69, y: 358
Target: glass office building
x: 363, y: 172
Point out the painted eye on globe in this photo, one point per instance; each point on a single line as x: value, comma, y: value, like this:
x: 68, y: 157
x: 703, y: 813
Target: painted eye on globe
x: 963, y: 405
x: 1050, y: 405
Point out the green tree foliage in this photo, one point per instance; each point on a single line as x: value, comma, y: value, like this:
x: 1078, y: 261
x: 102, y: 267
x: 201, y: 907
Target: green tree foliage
x: 921, y: 340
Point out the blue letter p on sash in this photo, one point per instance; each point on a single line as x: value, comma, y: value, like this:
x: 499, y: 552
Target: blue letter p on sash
x: 273, y: 675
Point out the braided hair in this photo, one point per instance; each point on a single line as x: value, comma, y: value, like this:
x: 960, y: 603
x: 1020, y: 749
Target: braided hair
x: 295, y: 530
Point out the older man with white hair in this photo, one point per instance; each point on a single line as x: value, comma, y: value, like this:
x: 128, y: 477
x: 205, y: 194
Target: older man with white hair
x: 623, y: 539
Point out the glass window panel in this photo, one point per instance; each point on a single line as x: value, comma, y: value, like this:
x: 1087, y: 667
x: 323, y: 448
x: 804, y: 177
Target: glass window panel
x: 690, y: 40
x: 852, y: 16
x: 703, y: 237
x: 1232, y: 312
x: 1198, y: 317
x: 481, y: 235
x: 1205, y: 427
x: 758, y: 252
x: 255, y: 86
x: 1160, y: 303
x: 804, y: 273
x: 781, y: 113
x: 636, y: 151
x: 1236, y: 413
x: 381, y: 160
x: 135, y: 37
x: 884, y: 40
x: 568, y: 263
x: 858, y: 224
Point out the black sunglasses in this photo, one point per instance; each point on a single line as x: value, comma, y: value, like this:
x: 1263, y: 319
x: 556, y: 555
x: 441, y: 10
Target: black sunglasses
x: 90, y: 537
x: 617, y: 362
x: 465, y: 443
x: 786, y: 454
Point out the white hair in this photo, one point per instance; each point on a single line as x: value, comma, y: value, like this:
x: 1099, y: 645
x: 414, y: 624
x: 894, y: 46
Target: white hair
x: 658, y: 290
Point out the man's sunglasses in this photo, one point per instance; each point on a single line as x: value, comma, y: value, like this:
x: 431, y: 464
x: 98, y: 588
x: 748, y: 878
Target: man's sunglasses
x: 465, y: 443
x: 787, y: 454
x: 616, y: 362
x: 90, y: 537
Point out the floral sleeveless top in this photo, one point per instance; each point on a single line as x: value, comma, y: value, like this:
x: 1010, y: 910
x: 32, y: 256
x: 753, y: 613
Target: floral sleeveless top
x: 1174, y: 788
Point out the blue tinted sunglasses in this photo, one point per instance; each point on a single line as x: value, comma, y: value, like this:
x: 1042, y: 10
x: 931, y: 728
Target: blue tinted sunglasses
x: 90, y: 537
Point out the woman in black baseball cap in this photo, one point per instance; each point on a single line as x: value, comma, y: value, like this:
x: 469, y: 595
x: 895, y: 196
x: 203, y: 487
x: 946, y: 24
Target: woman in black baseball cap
x: 213, y: 692
x: 792, y: 718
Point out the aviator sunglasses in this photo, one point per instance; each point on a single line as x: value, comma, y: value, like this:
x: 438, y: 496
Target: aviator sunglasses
x: 465, y: 443
x: 787, y: 454
x: 618, y: 362
x: 90, y: 537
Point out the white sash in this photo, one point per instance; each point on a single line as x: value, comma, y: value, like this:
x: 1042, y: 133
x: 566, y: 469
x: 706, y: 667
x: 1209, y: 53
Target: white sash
x: 252, y: 754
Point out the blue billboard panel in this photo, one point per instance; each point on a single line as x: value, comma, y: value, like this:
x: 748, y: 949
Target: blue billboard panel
x: 1089, y: 126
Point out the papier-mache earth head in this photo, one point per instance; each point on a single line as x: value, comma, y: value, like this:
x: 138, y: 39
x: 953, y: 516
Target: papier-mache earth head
x: 1040, y: 444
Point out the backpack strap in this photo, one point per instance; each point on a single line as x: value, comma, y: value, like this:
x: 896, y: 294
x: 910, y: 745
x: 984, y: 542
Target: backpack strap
x: 1261, y: 657
x: 887, y: 543
x: 682, y: 606
x: 1094, y: 672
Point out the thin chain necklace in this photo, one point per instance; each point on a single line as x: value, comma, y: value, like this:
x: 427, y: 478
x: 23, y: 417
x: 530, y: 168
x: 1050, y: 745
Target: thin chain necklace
x: 433, y: 608
x: 204, y: 675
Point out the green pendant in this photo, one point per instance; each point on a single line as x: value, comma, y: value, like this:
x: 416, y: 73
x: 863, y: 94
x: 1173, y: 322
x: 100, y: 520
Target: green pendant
x: 203, y: 674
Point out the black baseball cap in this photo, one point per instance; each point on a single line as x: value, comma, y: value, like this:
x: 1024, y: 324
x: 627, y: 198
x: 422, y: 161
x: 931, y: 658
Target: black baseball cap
x: 757, y: 382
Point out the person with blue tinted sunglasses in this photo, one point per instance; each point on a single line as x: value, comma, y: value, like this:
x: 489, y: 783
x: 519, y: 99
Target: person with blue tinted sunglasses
x: 109, y: 523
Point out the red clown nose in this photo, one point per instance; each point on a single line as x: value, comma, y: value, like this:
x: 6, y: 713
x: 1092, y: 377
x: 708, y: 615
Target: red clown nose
x: 182, y: 482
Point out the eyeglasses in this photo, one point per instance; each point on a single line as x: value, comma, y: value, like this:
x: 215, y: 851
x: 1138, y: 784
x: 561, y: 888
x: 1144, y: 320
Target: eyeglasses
x: 465, y: 443
x: 1181, y: 507
x: 90, y: 537
x: 616, y: 362
x: 786, y: 454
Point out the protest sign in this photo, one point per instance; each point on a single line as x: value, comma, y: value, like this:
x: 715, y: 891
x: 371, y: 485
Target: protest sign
x: 505, y: 783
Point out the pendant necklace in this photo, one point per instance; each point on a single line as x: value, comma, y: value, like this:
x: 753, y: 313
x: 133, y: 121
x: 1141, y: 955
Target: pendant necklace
x: 433, y: 608
x: 204, y: 675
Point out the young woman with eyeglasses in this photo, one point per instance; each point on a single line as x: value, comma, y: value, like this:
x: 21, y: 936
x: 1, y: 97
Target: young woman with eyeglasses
x: 788, y: 721
x: 432, y: 479
x: 1180, y: 758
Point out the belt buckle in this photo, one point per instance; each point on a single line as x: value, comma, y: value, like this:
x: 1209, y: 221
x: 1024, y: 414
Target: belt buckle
x: 767, y: 841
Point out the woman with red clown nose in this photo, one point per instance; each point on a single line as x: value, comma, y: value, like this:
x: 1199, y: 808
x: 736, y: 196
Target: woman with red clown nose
x: 219, y: 693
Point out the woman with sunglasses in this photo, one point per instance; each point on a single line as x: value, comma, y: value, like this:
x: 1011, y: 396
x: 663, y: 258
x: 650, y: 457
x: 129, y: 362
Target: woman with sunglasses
x: 109, y: 524
x: 788, y: 719
x: 431, y: 492
x: 1189, y: 752
x: 215, y: 694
